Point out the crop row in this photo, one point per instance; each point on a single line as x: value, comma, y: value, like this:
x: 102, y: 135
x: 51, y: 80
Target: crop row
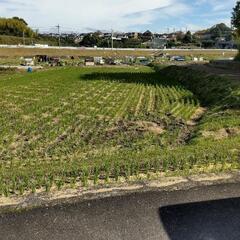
x: 16, y: 178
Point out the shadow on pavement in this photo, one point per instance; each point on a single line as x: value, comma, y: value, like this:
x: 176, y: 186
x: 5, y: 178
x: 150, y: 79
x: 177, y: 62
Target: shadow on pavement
x: 212, y: 220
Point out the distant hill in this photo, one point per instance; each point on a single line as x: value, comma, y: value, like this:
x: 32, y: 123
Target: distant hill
x: 13, y: 29
x: 218, y: 30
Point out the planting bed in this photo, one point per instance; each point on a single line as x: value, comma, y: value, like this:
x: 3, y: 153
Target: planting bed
x: 71, y: 125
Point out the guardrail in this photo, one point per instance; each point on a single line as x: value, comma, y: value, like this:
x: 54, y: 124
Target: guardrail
x: 117, y: 49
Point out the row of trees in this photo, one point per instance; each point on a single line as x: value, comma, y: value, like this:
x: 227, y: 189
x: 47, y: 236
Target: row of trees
x: 236, y: 19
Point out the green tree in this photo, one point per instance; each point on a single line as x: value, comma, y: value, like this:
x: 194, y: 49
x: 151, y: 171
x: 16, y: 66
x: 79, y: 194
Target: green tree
x: 236, y: 18
x: 236, y: 25
x: 21, y: 20
x: 188, y: 37
x: 15, y: 27
x: 91, y: 40
x: 217, y: 32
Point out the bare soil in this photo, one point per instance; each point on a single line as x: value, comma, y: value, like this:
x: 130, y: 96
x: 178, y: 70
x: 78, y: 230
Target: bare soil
x: 222, y: 133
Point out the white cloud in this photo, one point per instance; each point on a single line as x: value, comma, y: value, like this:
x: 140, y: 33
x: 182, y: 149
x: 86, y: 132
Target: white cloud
x: 97, y: 14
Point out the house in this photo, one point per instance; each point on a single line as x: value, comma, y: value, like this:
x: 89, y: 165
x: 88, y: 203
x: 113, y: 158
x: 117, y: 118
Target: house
x: 156, y: 43
x: 222, y: 43
x: 133, y: 35
x: 121, y: 36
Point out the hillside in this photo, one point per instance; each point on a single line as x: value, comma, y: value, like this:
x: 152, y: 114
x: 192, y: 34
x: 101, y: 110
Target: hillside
x: 218, y: 30
x: 15, y: 27
x: 13, y: 40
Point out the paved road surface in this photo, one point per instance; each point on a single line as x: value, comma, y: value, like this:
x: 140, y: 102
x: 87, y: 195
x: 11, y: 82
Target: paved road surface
x: 197, y: 214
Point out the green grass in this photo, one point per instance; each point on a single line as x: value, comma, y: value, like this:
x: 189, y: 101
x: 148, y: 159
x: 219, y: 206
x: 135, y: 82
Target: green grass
x: 220, y: 95
x: 13, y: 40
x: 73, y: 125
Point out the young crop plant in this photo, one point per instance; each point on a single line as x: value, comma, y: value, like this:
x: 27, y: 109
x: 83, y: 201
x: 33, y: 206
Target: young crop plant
x: 79, y: 125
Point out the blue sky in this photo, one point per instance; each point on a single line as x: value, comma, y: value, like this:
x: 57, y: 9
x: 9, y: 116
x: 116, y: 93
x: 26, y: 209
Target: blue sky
x: 121, y: 15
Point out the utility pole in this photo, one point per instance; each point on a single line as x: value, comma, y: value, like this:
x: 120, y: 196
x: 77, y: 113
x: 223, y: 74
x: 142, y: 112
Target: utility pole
x: 23, y: 37
x: 59, y: 37
x: 112, y: 39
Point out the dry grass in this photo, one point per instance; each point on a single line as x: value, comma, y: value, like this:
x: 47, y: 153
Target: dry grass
x: 17, y: 52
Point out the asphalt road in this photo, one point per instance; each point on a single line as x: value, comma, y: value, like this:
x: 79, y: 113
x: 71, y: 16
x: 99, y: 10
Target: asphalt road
x: 204, y: 213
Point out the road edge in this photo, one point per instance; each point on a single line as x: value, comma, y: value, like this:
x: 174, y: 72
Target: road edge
x: 70, y: 196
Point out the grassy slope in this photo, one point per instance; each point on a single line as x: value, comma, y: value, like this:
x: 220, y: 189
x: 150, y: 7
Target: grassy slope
x: 222, y: 98
x: 220, y: 95
x: 43, y: 128
x: 13, y: 40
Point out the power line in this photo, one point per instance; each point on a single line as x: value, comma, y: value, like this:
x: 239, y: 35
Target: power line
x: 112, y: 39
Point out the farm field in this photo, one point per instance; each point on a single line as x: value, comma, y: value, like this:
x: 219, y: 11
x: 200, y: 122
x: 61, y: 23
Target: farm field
x: 85, y: 125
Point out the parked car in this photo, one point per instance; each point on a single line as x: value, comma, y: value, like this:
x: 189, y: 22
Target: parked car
x: 177, y: 58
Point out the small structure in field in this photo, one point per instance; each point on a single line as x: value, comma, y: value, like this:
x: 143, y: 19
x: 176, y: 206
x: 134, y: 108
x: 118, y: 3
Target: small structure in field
x: 54, y: 61
x: 27, y: 61
x: 178, y: 58
x: 41, y: 45
x: 143, y: 61
x: 117, y: 61
x: 42, y: 58
x: 129, y: 60
x: 89, y: 61
x: 99, y: 61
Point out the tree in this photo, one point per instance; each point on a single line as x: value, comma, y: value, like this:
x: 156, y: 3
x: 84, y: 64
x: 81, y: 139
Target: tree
x: 180, y: 36
x: 236, y: 24
x: 236, y: 18
x: 216, y: 33
x: 21, y: 20
x: 188, y: 37
x: 146, y: 36
x: 15, y: 27
x: 90, y: 40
